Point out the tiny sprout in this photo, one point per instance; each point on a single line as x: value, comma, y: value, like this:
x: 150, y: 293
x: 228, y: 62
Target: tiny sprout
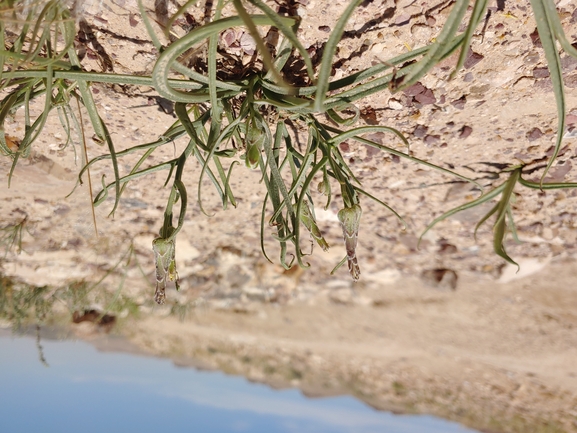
x: 350, y: 218
x: 164, y: 257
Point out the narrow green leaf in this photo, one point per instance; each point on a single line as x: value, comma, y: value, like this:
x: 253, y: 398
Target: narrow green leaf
x: 329, y: 54
x: 546, y: 34
x: 478, y: 11
x: 336, y: 268
x: 500, y: 227
x: 288, y: 33
x: 382, y: 203
x: 308, y: 219
x: 485, y: 218
x: 439, y: 49
x: 484, y: 198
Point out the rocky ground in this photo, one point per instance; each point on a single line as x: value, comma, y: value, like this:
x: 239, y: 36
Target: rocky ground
x: 446, y: 328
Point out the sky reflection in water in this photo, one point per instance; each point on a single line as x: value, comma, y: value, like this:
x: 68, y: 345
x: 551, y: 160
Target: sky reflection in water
x: 89, y: 391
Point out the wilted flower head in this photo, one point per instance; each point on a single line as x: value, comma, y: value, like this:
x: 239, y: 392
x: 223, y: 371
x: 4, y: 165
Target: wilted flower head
x: 350, y: 218
x: 164, y: 260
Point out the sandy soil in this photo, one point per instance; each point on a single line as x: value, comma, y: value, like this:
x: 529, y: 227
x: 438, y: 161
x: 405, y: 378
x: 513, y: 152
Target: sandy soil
x: 487, y: 346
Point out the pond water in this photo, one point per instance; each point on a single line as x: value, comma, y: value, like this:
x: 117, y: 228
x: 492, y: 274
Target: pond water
x: 86, y: 390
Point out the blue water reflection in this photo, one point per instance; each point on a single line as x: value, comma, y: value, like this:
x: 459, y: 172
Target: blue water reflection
x: 90, y: 391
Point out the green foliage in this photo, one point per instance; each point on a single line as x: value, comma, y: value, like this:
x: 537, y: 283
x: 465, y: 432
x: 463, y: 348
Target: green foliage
x: 502, y: 209
x: 11, y: 237
x: 20, y: 304
x: 245, y: 117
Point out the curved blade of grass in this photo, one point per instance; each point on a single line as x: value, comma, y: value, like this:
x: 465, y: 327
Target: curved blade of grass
x: 262, y: 223
x: 382, y: 203
x: 546, y: 34
x: 40, y: 22
x: 336, y: 268
x: 307, y: 217
x: 535, y: 185
x: 225, y: 193
x: 512, y: 226
x: 275, y: 190
x: 485, y: 197
x: 298, y: 179
x: 275, y: 174
x: 341, y: 166
x: 37, y: 127
x: 341, y: 169
x: 284, y: 102
x: 148, y: 25
x: 263, y: 50
x: 32, y: 131
x: 478, y: 12
x: 182, y: 113
x: 103, y: 192
x: 168, y: 60
x: 183, y: 203
x: 328, y: 56
x: 178, y: 191
x: 344, y: 121
x: 27, y: 106
x: 439, y: 49
x: 217, y: 110
x: 555, y: 24
x: 2, y: 56
x: 132, y: 176
x: 353, y: 133
x: 178, y: 132
x: 288, y: 33
x: 227, y: 189
x: 212, y: 81
x: 499, y: 231
x: 485, y: 218
x: 212, y: 149
x: 228, y: 196
x: 299, y: 206
x: 141, y: 161
x: 392, y: 151
x: 112, y: 152
x: 84, y: 89
x: 169, y: 175
x: 99, y: 77
x: 181, y: 10
x: 360, y: 90
x: 174, y: 132
x: 500, y: 227
x: 65, y: 123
